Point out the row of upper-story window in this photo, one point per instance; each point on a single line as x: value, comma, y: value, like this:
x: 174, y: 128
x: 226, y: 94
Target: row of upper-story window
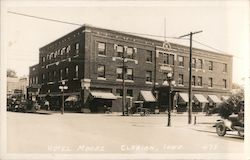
x: 128, y: 73
x: 52, y: 75
x: 60, y: 52
x: 199, y: 81
x: 128, y: 52
x: 198, y: 64
x: 148, y: 76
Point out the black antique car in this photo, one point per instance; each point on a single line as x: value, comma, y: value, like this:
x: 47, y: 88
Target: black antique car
x: 234, y: 122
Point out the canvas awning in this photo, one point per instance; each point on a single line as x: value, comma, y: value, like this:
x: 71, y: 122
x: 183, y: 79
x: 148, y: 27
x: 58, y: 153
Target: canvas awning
x: 184, y: 97
x: 200, y: 98
x: 148, y: 96
x: 224, y: 98
x: 72, y: 98
x: 214, y: 99
x: 103, y: 95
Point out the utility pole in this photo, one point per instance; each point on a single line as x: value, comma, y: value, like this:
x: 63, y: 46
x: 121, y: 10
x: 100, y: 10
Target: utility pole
x: 190, y: 76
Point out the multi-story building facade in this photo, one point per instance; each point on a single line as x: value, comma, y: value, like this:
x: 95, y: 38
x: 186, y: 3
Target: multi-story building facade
x: 90, y: 62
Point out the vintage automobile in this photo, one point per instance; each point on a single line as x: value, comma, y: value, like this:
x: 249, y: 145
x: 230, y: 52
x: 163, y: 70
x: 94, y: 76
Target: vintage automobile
x: 232, y: 123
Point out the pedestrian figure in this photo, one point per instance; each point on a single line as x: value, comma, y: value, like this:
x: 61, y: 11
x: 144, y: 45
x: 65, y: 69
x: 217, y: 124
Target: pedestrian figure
x: 47, y: 105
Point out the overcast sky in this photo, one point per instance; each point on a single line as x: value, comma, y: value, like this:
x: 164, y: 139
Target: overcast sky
x: 225, y: 25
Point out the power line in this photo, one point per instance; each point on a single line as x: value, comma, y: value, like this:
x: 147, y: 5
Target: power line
x: 208, y: 46
x: 42, y: 18
x: 142, y: 34
x: 71, y: 23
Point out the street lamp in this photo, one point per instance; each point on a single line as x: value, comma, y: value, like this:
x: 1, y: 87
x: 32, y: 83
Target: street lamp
x: 62, y: 88
x: 170, y: 83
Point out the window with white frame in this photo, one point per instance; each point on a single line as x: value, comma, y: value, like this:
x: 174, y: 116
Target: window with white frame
x: 77, y: 47
x: 199, y: 64
x: 180, y: 80
x: 119, y: 73
x: 149, y: 56
x: 210, y: 82
x: 63, y: 50
x: 171, y: 59
x: 101, y: 71
x: 210, y: 65
x: 54, y: 74
x: 129, y: 73
x: 193, y: 63
x: 130, y: 92
x: 193, y: 80
x: 101, y: 48
x: 199, y: 81
x: 148, y: 76
x: 55, y: 54
x: 76, y: 71
x: 68, y: 49
x: 61, y: 74
x: 66, y: 72
x: 181, y: 61
x: 119, y: 92
x: 166, y: 58
x: 130, y: 52
x: 225, y: 83
x: 119, y: 51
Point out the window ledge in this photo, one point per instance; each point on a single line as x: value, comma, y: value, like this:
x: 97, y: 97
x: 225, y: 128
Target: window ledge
x: 180, y: 85
x: 181, y: 67
x: 197, y: 86
x: 75, y: 78
x: 65, y: 80
x: 131, y: 81
x: 115, y: 58
x: 149, y: 62
x: 101, y: 78
x: 51, y: 83
x: 100, y: 55
x: 119, y: 80
x: 147, y: 82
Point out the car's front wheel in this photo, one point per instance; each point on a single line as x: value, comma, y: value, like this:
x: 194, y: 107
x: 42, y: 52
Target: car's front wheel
x: 221, y: 129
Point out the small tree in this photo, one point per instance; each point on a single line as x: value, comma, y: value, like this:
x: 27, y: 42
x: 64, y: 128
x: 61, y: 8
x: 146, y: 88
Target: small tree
x: 232, y: 105
x: 11, y: 73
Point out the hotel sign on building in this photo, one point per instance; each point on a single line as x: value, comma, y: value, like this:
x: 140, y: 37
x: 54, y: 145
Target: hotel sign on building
x: 89, y: 60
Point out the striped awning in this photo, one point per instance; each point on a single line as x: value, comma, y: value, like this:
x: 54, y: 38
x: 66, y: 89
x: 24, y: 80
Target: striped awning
x: 224, y: 98
x: 200, y: 98
x: 184, y: 97
x: 148, y: 96
x: 103, y: 95
x: 214, y: 99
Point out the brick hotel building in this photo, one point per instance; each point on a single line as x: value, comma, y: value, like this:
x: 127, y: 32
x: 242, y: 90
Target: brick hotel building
x: 89, y: 61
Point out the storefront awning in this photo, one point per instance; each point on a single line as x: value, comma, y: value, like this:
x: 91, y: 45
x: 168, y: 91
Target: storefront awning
x: 224, y: 98
x: 72, y: 98
x: 200, y: 98
x: 103, y: 95
x: 148, y: 96
x: 184, y: 96
x: 214, y: 99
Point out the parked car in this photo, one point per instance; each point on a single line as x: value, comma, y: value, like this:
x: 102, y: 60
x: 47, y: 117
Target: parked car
x: 233, y: 123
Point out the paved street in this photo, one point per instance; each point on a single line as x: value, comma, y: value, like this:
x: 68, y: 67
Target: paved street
x: 112, y: 133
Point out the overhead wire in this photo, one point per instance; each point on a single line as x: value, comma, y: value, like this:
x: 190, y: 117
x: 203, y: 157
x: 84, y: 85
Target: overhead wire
x: 142, y: 34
